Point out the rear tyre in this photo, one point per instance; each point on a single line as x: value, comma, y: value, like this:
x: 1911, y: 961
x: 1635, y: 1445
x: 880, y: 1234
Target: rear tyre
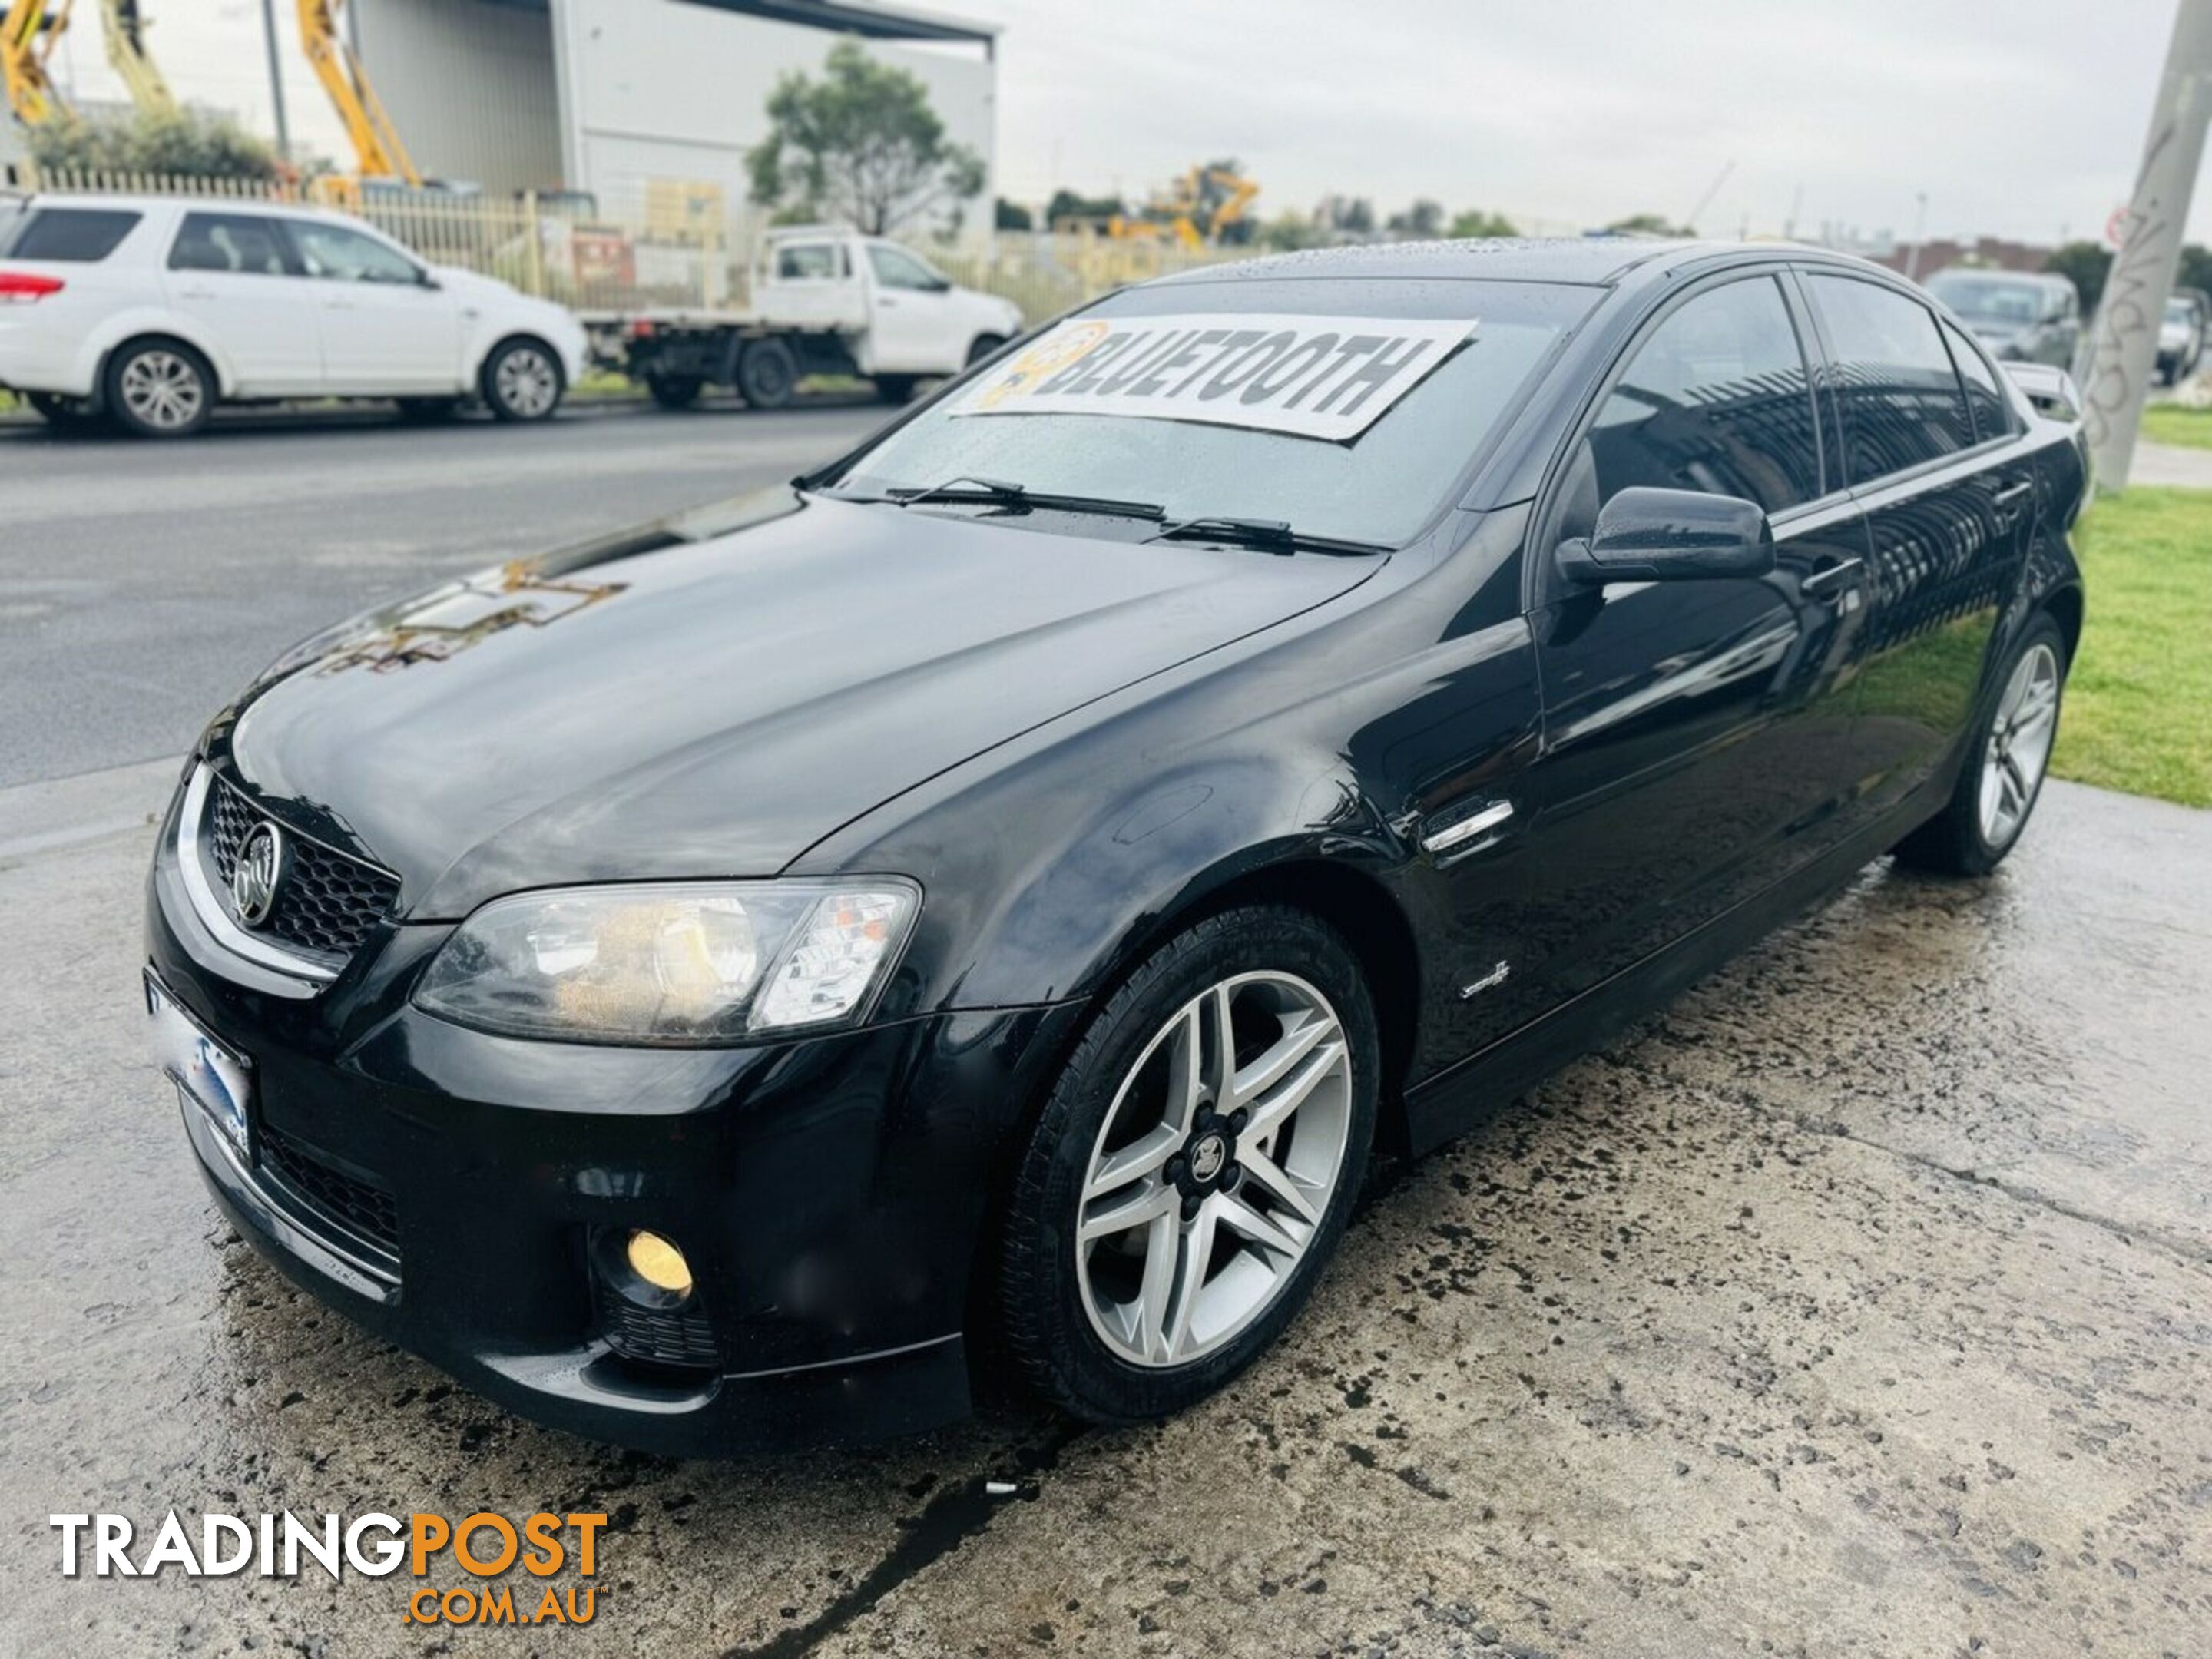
x: 984, y: 345
x: 159, y: 389
x: 522, y: 380
x: 1193, y: 1168
x: 72, y: 415
x: 897, y: 388
x: 2006, y: 764
x: 673, y: 391
x: 768, y: 374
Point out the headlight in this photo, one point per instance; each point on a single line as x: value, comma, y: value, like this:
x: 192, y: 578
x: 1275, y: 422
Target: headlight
x: 696, y: 963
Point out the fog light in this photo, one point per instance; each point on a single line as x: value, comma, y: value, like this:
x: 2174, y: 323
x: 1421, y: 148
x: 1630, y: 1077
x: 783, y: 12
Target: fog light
x: 659, y: 1263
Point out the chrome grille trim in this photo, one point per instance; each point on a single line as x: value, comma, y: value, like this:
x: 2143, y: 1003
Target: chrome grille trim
x: 191, y: 867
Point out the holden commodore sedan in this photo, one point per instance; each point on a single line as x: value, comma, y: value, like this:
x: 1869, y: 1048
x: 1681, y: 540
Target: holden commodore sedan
x: 981, y: 908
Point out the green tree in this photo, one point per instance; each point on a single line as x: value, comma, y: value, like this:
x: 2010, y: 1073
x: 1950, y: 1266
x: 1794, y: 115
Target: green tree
x: 1421, y: 222
x: 861, y: 145
x: 1648, y: 224
x: 1291, y: 230
x: 1066, y: 204
x: 182, y: 143
x: 1475, y: 222
x: 2084, y: 264
x: 2196, y: 267
x: 1010, y: 215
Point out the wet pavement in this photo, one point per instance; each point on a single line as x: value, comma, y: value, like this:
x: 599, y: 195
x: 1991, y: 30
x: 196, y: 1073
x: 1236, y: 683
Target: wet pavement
x: 1861, y: 1303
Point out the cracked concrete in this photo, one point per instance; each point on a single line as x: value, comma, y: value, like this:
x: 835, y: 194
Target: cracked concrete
x: 1860, y: 1304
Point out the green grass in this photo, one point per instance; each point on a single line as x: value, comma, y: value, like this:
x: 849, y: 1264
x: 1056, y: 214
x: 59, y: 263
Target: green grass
x: 2138, y: 712
x: 2178, y: 423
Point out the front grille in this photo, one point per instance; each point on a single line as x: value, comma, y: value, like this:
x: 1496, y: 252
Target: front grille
x: 358, y: 1207
x: 327, y: 902
x: 680, y: 1337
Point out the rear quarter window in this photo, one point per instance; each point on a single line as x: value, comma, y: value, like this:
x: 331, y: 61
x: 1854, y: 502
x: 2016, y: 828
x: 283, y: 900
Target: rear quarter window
x: 72, y: 236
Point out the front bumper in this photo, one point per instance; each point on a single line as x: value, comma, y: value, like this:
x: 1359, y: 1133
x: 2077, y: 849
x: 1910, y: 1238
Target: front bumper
x: 445, y: 1189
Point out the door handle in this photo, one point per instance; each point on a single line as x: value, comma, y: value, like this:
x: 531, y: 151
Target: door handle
x: 196, y: 294
x: 338, y: 305
x: 2013, y: 495
x: 885, y: 301
x: 1820, y: 578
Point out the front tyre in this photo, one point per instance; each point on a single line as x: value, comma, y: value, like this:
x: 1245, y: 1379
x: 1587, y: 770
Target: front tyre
x: 522, y: 380
x: 2003, y: 776
x: 1193, y: 1168
x: 159, y: 389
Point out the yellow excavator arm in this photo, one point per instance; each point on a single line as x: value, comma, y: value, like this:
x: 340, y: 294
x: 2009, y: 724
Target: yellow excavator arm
x: 28, y: 30
x: 376, y: 146
x: 125, y: 30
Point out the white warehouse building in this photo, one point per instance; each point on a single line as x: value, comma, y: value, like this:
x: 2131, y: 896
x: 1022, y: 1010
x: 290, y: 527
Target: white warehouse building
x: 649, y: 106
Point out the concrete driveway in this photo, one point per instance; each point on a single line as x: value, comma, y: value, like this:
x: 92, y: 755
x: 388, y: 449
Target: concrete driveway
x: 1861, y: 1304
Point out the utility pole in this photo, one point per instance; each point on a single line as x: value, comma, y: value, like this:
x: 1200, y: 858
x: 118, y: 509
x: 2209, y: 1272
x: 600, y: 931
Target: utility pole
x: 276, y: 77
x: 2123, y: 349
x: 1919, y: 235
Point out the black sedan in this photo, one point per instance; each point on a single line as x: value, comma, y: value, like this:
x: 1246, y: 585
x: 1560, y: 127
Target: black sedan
x: 984, y: 905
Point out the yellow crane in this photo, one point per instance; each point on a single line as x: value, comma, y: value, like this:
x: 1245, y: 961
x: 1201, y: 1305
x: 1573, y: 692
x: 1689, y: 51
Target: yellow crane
x: 28, y: 31
x: 378, y: 153
x: 1191, y: 212
x: 125, y: 27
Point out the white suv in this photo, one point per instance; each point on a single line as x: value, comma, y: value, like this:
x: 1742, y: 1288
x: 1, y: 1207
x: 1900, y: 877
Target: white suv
x: 151, y: 310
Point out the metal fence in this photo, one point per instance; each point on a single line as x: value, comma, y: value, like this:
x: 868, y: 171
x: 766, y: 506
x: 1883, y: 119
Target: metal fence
x: 666, y: 244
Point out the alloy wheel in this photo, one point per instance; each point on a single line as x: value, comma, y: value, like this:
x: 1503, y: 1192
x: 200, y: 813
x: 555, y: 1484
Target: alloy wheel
x: 163, y: 390
x: 2018, y: 747
x: 527, y: 382
x: 1214, y: 1168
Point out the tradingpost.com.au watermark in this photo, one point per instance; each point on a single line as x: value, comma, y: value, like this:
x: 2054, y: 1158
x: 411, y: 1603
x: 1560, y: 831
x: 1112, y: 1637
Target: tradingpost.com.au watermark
x: 487, y: 1547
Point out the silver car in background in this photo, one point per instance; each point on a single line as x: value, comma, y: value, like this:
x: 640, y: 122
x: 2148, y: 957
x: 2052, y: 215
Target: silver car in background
x: 2020, y: 316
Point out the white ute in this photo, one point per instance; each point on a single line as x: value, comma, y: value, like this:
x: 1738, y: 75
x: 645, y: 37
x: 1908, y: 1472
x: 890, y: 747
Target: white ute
x: 825, y: 301
x: 149, y: 310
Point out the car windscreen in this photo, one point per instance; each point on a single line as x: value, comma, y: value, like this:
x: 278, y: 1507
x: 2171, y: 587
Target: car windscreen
x: 66, y: 235
x: 2180, y: 311
x: 1236, y: 398
x: 11, y: 215
x: 1990, y: 300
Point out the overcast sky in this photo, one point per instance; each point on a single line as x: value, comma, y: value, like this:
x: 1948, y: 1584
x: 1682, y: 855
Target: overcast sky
x: 2017, y: 117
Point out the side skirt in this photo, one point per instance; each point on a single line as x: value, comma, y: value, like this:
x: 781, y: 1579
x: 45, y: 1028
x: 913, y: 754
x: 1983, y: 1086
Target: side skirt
x: 1454, y: 1101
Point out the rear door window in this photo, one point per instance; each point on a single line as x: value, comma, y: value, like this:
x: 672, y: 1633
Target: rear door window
x: 248, y: 244
x: 1901, y: 399
x: 1993, y: 413
x: 69, y: 236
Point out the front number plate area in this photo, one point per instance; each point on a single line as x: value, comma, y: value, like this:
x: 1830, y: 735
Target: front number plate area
x: 209, y: 1077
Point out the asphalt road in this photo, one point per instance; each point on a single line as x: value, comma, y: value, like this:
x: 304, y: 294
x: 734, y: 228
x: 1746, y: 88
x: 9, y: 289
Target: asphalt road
x: 1861, y: 1303
x: 141, y: 584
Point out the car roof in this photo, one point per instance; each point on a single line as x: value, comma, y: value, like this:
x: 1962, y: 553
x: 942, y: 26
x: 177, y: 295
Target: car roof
x: 104, y: 201
x: 1597, y: 261
x: 1992, y: 273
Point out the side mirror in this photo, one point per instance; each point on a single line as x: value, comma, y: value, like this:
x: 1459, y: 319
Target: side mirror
x: 428, y: 281
x: 1671, y: 535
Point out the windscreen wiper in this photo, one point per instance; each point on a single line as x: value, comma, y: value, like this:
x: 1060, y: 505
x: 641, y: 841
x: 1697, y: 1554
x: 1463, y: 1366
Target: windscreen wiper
x: 970, y: 488
x: 1274, y: 535
x: 967, y: 486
